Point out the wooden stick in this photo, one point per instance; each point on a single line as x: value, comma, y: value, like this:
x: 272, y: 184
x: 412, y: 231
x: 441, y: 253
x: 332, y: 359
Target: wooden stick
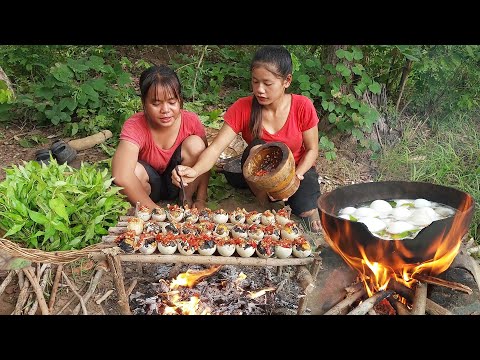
x: 431, y: 307
x: 117, y: 230
x: 465, y: 261
x: 117, y: 273
x: 74, y: 289
x: 420, y: 299
x: 316, y: 266
x: 341, y: 307
x: 104, y: 297
x: 213, y: 259
x: 302, y: 304
x: 365, y: 306
x: 74, y: 297
x: 43, y: 283
x: 305, y: 279
x: 6, y: 281
x: 91, y: 289
x: 131, y: 287
x: 53, y: 293
x: 440, y: 282
x: 38, y: 291
x: 475, y: 271
x: 21, y: 278
x: 372, y: 312
x: 399, y: 307
x: 307, y: 283
x: 22, y: 297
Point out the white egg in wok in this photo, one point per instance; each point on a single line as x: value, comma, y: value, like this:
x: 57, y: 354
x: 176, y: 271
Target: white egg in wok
x: 373, y: 224
x: 398, y: 227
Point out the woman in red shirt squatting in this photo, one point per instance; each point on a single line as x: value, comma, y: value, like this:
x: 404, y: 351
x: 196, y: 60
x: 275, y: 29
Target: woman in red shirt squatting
x: 156, y: 140
x: 271, y: 115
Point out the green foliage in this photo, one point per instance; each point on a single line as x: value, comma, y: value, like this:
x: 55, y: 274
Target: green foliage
x: 218, y: 189
x: 328, y: 148
x: 81, y: 90
x: 6, y: 96
x: 449, y: 156
x: 213, y: 69
x: 211, y: 118
x: 446, y: 82
x: 337, y: 92
x: 56, y: 207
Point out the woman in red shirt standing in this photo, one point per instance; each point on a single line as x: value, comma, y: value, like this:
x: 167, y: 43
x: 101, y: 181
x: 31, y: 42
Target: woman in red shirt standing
x: 271, y: 115
x: 156, y: 140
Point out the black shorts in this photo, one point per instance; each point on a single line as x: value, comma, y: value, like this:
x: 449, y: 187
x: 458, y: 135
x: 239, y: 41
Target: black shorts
x: 307, y: 194
x: 161, y: 184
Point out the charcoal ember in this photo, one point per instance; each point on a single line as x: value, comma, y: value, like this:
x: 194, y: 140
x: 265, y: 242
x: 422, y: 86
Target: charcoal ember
x: 225, y: 292
x: 384, y: 308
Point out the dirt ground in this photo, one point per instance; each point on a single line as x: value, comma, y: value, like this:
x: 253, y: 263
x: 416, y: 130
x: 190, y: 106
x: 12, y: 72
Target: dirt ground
x: 351, y: 166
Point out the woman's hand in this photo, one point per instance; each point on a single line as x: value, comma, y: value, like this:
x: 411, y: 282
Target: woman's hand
x: 187, y: 173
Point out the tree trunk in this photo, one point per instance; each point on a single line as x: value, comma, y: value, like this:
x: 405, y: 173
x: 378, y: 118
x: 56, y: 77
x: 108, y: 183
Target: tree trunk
x: 406, y: 71
x: 328, y: 54
x: 5, y: 78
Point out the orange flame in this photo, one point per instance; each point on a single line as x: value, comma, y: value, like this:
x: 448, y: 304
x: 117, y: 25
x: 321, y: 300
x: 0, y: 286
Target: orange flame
x: 192, y: 277
x: 376, y: 274
x: 187, y: 279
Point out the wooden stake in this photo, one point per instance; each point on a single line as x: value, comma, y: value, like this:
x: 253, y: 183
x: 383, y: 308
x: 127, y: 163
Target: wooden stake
x: 117, y: 273
x: 22, y: 297
x: 53, y: 293
x: 43, y: 283
x: 38, y: 291
x: 307, y: 283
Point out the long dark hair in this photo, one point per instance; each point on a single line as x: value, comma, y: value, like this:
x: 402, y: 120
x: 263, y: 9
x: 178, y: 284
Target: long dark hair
x: 160, y: 76
x: 278, y: 61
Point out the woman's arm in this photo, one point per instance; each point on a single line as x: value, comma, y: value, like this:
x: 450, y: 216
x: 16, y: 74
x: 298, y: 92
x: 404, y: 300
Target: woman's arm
x: 310, y: 140
x: 123, y: 170
x: 207, y: 158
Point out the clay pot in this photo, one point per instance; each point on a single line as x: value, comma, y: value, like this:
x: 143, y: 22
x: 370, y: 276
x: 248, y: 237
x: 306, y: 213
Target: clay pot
x: 272, y: 169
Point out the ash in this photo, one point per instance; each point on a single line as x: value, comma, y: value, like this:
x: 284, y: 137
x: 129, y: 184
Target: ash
x: 225, y: 292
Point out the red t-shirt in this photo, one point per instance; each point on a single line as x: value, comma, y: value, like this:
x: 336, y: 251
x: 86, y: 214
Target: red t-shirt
x: 136, y: 130
x: 302, y: 116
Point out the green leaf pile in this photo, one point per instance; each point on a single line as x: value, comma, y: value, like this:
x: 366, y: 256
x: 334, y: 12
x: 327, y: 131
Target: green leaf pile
x: 56, y: 207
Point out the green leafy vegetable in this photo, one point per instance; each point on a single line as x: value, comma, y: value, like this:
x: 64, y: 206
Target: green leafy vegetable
x: 56, y: 207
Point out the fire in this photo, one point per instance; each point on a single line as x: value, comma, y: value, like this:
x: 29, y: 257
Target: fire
x: 191, y: 277
x: 379, y: 261
x: 256, y: 294
x: 186, y: 307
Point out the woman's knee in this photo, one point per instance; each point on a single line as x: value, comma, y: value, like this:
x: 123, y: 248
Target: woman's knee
x: 141, y: 174
x: 192, y: 147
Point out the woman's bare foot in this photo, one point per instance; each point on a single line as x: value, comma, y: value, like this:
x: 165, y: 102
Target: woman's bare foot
x: 313, y: 220
x: 200, y: 204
